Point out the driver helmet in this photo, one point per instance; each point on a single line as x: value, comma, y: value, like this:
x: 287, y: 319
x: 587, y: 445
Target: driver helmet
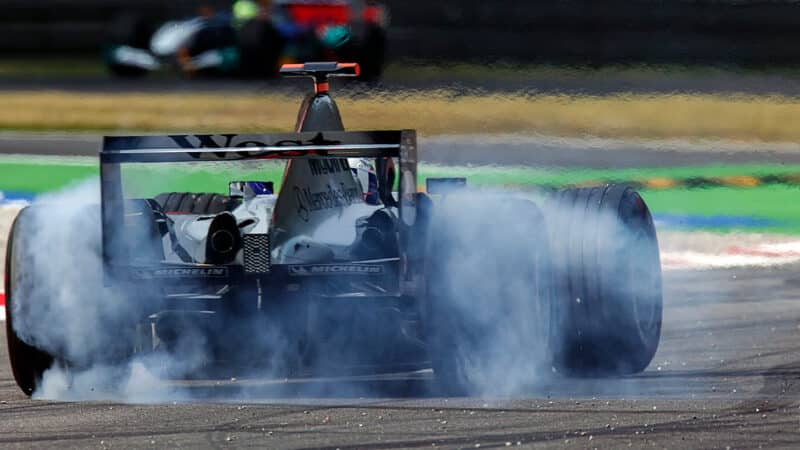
x: 244, y: 10
x: 364, y: 173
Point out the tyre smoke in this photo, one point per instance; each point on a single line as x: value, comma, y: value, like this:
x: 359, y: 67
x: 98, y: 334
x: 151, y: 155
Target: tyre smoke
x: 491, y: 320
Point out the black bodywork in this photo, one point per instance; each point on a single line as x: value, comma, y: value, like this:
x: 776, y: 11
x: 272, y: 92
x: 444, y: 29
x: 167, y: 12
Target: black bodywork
x: 219, y: 44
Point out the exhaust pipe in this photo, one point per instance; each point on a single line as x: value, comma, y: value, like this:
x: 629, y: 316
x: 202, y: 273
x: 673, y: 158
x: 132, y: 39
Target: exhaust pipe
x: 224, y: 240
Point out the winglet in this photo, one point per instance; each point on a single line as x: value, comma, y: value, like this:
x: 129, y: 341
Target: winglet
x: 320, y: 72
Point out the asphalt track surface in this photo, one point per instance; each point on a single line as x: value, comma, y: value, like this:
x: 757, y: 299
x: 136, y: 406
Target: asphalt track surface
x: 727, y: 375
x: 481, y: 149
x: 573, y: 81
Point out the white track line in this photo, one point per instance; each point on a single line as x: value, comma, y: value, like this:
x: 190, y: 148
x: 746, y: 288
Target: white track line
x: 762, y: 255
x: 697, y: 260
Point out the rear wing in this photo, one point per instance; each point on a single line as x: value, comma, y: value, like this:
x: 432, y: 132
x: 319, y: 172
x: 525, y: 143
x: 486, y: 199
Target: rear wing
x: 237, y: 147
x: 188, y: 148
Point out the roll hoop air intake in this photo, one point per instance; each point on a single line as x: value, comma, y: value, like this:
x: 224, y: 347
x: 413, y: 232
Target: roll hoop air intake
x: 320, y: 72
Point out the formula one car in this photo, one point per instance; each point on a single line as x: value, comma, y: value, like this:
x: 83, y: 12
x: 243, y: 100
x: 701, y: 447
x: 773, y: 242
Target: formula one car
x: 223, y: 43
x: 347, y: 268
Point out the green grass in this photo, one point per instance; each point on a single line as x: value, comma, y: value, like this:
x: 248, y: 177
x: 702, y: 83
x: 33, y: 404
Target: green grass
x: 39, y: 177
x: 43, y: 175
x: 773, y: 202
x: 150, y: 180
x: 776, y: 203
x: 522, y: 176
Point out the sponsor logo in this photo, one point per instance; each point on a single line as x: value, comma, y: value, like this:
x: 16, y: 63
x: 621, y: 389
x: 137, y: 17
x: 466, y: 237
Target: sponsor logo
x: 334, y: 269
x: 309, y: 201
x: 182, y: 272
x: 327, y: 166
x: 205, y: 141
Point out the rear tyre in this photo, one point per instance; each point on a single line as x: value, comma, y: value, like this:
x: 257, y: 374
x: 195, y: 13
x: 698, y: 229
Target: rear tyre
x: 133, y: 31
x: 488, y: 299
x: 607, y: 272
x: 261, y: 46
x: 28, y: 363
x: 373, y: 54
x: 196, y: 203
x: 142, y: 235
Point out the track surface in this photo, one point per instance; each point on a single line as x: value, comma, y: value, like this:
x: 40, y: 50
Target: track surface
x: 727, y: 375
x: 481, y: 149
x: 404, y: 76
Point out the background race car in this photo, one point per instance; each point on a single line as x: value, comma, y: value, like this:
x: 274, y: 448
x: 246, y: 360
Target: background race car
x: 253, y: 38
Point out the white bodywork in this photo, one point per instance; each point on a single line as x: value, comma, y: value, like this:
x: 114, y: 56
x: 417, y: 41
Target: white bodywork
x: 173, y: 35
x: 322, y: 200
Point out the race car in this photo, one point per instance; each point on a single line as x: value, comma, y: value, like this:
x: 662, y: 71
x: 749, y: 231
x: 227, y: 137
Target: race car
x: 253, y: 38
x: 348, y: 267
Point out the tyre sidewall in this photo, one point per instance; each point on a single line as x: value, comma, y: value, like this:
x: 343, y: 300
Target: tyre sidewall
x: 28, y: 363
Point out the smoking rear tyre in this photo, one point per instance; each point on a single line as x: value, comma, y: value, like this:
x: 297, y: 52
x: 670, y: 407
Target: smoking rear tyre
x: 488, y: 295
x: 28, y: 363
x: 608, y: 279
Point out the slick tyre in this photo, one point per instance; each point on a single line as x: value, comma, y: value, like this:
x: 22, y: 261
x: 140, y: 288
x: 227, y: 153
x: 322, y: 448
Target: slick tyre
x: 142, y: 235
x: 373, y: 54
x: 28, y: 363
x: 194, y: 203
x: 261, y: 46
x: 608, y: 303
x: 488, y: 295
x: 129, y: 30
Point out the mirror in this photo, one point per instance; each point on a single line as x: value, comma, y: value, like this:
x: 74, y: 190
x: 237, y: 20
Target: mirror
x: 249, y: 189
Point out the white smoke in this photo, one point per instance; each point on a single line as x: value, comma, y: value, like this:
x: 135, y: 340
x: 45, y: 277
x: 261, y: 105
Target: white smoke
x: 68, y: 311
x: 487, y: 251
x: 532, y: 283
x: 490, y: 269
